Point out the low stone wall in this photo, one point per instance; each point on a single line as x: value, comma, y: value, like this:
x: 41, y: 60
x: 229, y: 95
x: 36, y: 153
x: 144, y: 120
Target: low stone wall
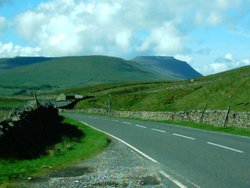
x: 27, y: 131
x: 214, y: 117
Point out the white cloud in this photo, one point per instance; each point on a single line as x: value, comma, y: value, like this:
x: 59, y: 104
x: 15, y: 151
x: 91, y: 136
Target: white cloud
x: 218, y: 67
x: 246, y: 62
x: 163, y: 40
x: 72, y: 27
x: 227, y: 62
x: 123, y: 39
x: 228, y: 56
x: 185, y: 58
x: 11, y: 50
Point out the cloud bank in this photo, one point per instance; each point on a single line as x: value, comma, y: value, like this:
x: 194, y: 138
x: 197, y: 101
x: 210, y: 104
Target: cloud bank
x: 224, y: 63
x: 124, y: 29
x: 11, y: 50
x: 116, y: 27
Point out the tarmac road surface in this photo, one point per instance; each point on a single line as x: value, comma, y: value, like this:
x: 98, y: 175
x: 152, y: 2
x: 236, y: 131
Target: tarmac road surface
x: 189, y: 157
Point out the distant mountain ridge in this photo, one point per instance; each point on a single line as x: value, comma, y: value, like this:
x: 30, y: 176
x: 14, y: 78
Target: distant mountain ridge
x: 8, y: 63
x: 59, y: 72
x: 167, y: 66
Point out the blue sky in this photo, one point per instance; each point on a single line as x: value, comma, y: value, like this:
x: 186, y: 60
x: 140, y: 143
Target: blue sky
x: 211, y: 35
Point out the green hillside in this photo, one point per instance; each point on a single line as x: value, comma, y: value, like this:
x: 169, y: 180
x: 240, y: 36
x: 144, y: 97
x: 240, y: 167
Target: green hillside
x: 22, y: 75
x: 218, y: 91
x: 71, y: 71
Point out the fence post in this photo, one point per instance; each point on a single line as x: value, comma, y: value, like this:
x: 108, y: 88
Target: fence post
x: 226, y: 117
x: 109, y: 104
x: 35, y: 97
x: 202, y: 113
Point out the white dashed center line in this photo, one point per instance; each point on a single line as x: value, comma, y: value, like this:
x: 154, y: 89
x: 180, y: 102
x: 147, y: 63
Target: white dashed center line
x: 225, y: 147
x: 183, y: 136
x: 140, y: 126
x: 159, y: 130
x: 126, y: 123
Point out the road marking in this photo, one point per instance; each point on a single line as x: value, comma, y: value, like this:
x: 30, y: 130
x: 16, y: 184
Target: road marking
x: 132, y: 147
x: 225, y: 147
x: 159, y: 130
x: 183, y: 136
x: 136, y: 154
x: 114, y: 120
x: 140, y: 126
x: 126, y: 123
x: 179, y: 184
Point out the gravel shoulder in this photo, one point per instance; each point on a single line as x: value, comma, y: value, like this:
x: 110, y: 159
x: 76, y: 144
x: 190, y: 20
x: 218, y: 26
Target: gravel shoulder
x: 117, y: 166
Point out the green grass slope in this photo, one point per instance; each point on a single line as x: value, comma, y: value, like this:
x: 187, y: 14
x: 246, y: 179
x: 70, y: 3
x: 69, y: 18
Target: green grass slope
x: 22, y: 75
x: 70, y: 71
x: 218, y: 91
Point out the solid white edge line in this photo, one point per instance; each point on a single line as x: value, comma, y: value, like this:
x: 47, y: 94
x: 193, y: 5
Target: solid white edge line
x: 126, y: 123
x: 140, y: 126
x: 132, y: 147
x: 183, y: 136
x: 136, y: 154
x: 225, y: 147
x: 179, y: 184
x: 158, y: 130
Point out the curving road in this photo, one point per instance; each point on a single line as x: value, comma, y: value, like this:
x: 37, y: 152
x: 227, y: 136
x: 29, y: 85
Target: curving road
x: 188, y: 157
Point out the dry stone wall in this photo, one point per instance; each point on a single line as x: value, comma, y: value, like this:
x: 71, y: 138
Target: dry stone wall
x: 214, y: 117
x: 27, y: 131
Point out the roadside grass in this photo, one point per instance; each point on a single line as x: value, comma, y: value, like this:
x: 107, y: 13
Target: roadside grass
x: 229, y: 130
x: 63, y: 154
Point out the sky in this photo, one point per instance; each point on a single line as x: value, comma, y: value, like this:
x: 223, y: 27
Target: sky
x: 211, y: 35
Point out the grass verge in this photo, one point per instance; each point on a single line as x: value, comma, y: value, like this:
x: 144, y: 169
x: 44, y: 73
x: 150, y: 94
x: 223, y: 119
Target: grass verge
x: 229, y: 130
x: 63, y: 154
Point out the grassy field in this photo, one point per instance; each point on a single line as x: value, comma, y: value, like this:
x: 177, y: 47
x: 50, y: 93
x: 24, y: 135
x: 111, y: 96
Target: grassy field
x: 218, y: 91
x: 7, y: 104
x: 61, y: 155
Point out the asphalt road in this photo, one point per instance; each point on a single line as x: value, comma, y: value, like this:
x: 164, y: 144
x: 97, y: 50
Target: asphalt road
x: 188, y: 157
